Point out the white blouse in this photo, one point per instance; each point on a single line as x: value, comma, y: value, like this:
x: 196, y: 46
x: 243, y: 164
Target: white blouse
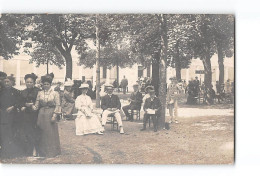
x: 84, y: 103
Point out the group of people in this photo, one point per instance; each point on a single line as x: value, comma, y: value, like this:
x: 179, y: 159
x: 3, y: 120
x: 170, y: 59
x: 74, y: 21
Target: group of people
x: 123, y: 85
x: 208, y: 95
x: 27, y: 118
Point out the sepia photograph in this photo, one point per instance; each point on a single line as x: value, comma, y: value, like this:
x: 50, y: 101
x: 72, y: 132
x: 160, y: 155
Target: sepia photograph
x: 117, y: 88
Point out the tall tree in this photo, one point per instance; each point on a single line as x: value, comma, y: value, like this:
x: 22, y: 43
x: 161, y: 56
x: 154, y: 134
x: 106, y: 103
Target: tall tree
x: 112, y: 48
x: 179, y: 51
x: 63, y: 32
x: 11, y: 34
x: 223, y: 26
x: 46, y: 55
x: 203, y: 44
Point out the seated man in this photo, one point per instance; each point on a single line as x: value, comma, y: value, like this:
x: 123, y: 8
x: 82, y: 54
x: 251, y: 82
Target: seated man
x: 135, y: 103
x: 152, y: 108
x: 111, y: 106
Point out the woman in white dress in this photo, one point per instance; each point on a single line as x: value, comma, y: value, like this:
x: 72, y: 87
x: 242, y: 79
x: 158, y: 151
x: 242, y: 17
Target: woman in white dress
x: 86, y: 122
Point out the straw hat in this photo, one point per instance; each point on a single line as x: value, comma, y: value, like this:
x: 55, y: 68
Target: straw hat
x: 109, y: 86
x: 84, y: 86
x: 68, y: 83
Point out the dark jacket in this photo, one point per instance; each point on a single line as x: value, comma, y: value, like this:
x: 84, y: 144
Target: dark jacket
x: 28, y: 96
x: 9, y: 97
x: 110, y: 102
x: 124, y: 82
x: 138, y: 99
x: 155, y: 104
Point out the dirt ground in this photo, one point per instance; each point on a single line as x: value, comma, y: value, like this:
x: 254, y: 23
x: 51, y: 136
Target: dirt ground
x: 195, y: 140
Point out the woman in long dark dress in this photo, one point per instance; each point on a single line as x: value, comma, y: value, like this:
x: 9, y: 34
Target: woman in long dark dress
x: 48, y: 103
x: 10, y: 122
x: 29, y: 116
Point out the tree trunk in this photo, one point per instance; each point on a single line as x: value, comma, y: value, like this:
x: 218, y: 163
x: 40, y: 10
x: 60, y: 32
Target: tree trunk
x: 68, y: 59
x: 97, y: 65
x: 207, y: 69
x: 220, y: 65
x: 117, y: 72
x: 163, y: 70
x: 47, y: 66
x: 156, y: 72
x: 178, y: 63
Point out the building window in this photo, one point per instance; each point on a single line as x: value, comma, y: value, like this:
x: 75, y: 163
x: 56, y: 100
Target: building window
x: 140, y: 71
x: 104, y: 71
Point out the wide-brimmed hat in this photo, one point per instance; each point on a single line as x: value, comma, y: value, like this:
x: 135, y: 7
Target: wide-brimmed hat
x: 84, y: 86
x: 68, y: 83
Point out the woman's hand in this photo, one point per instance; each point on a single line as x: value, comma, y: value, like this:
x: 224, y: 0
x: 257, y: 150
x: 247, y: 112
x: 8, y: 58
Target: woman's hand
x: 8, y: 110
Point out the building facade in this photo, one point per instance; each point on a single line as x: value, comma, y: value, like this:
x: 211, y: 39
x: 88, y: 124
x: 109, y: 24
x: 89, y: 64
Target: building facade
x: 20, y: 65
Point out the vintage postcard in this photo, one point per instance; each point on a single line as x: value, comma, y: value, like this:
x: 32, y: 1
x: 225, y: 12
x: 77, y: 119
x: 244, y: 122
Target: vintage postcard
x: 117, y: 88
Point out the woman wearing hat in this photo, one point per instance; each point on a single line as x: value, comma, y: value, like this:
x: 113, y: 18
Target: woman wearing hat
x: 68, y: 101
x: 29, y: 116
x: 86, y: 122
x: 9, y: 122
x: 48, y: 104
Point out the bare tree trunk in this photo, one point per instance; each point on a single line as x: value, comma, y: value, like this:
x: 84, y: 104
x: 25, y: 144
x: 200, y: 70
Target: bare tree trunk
x: 156, y: 72
x: 68, y: 59
x: 47, y: 66
x: 220, y: 65
x: 97, y: 65
x: 207, y: 69
x: 178, y: 62
x: 163, y: 69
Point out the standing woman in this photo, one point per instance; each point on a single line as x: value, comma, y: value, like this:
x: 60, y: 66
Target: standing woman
x: 29, y: 116
x: 48, y: 103
x: 86, y: 122
x: 67, y: 101
x: 9, y: 122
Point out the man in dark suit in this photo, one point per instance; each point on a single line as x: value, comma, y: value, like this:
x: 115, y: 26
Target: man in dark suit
x: 152, y: 108
x: 111, y: 105
x: 124, y: 84
x: 135, y: 103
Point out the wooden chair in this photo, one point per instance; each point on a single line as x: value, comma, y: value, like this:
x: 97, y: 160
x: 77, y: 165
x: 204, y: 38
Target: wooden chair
x: 113, y: 122
x: 135, y: 113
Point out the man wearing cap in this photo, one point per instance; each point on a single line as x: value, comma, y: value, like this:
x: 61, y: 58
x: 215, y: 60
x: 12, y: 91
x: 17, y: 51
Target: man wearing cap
x: 152, y: 108
x: 135, y: 103
x: 111, y: 105
x: 171, y: 99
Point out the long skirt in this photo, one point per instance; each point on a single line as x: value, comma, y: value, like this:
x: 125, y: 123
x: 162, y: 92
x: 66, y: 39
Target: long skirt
x: 87, y: 125
x: 49, y: 141
x: 10, y: 141
x: 29, y: 135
